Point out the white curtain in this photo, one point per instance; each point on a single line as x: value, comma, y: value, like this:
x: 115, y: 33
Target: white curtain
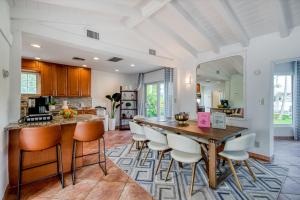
x: 141, y: 95
x: 297, y: 102
x: 169, y: 88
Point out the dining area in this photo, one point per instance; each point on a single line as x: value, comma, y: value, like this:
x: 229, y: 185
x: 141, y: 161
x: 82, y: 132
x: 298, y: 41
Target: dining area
x: 191, y: 144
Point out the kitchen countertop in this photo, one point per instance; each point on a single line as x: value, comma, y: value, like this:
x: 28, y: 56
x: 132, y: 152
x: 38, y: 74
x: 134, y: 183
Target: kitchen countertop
x: 57, y: 120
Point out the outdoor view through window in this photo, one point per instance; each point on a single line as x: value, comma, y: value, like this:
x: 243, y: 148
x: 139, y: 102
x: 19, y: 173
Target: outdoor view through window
x: 283, y: 99
x: 29, y: 83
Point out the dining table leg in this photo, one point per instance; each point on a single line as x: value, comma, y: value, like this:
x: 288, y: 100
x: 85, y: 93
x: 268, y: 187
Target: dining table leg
x: 212, y: 157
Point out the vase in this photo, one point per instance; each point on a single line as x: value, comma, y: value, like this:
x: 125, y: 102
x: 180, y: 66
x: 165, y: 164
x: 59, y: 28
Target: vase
x: 112, y: 124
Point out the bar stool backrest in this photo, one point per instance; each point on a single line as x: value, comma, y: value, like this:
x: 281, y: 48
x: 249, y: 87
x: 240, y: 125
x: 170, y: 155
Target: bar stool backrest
x: 182, y: 143
x: 136, y: 129
x: 89, y: 131
x: 39, y: 138
x: 242, y: 143
x: 155, y: 136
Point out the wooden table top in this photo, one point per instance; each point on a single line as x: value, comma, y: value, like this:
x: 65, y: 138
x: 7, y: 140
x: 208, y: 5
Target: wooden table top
x: 193, y: 129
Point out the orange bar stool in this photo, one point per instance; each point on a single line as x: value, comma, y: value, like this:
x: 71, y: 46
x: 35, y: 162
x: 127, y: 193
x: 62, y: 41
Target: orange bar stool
x: 38, y: 139
x: 87, y: 132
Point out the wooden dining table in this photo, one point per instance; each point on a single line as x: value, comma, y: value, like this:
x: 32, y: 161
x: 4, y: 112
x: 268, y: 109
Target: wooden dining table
x: 214, y: 136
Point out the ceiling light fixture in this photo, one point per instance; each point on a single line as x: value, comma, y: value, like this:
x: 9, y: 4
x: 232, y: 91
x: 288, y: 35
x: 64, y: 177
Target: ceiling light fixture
x: 84, y: 65
x: 37, y: 58
x: 96, y: 58
x: 132, y: 65
x: 36, y: 45
x: 116, y: 70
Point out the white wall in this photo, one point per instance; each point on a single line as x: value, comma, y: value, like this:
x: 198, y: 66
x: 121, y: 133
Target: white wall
x: 260, y: 54
x: 5, y: 40
x: 104, y: 83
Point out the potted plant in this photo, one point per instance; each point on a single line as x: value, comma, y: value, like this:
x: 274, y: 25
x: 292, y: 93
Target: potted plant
x: 114, y: 99
x: 52, y: 105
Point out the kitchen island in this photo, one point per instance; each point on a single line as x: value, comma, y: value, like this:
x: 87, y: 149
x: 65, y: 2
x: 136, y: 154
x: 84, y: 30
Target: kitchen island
x: 45, y: 156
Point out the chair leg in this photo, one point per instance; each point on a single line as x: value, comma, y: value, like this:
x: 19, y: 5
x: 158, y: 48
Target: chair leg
x: 131, y: 146
x: 160, y: 158
x: 250, y: 170
x: 146, y: 157
x: 104, y: 155
x: 20, y: 175
x: 74, y: 162
x: 62, y: 167
x: 140, y: 152
x: 235, y: 175
x: 169, y: 169
x: 193, y: 178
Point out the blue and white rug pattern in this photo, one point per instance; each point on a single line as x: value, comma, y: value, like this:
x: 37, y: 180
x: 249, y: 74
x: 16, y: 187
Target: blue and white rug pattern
x: 267, y: 186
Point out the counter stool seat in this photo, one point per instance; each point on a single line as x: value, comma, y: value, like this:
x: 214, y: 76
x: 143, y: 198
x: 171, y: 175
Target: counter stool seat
x: 37, y: 139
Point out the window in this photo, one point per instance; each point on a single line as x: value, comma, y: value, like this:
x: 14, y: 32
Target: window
x: 283, y: 100
x: 29, y: 83
x: 155, y: 99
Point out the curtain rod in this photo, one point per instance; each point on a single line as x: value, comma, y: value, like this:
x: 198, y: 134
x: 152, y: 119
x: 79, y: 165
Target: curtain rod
x: 156, y: 70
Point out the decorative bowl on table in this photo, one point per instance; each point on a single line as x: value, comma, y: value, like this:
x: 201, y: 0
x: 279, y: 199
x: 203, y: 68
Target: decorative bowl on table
x: 68, y: 113
x: 181, y: 118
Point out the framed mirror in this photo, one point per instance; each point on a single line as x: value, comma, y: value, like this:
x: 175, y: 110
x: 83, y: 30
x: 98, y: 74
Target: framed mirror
x: 220, y: 86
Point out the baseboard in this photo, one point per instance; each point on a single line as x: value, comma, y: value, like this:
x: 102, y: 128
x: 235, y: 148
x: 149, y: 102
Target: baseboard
x: 283, y: 137
x: 260, y: 157
x: 5, y: 196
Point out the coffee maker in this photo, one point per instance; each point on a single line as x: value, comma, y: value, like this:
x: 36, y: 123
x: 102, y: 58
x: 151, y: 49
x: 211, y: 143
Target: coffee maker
x: 38, y: 105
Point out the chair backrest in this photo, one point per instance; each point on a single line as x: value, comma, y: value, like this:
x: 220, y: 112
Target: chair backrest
x: 89, y: 131
x: 136, y: 129
x: 155, y: 136
x: 182, y: 143
x: 242, y: 143
x: 39, y: 138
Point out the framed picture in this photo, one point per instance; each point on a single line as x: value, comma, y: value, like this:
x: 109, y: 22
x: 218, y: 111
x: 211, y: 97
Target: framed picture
x: 204, y: 119
x: 219, y: 120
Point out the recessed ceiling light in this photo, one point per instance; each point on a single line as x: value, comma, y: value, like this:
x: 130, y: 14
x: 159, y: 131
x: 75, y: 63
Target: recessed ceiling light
x: 37, y: 58
x: 36, y: 45
x: 84, y: 65
x: 116, y: 70
x: 132, y: 65
x: 96, y: 58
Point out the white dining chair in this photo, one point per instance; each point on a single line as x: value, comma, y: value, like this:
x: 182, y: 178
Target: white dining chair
x: 138, y: 135
x: 184, y: 150
x: 236, y: 149
x: 157, y: 142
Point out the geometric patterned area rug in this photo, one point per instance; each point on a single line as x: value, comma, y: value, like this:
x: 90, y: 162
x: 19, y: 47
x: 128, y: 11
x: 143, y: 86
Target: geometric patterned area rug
x: 267, y: 186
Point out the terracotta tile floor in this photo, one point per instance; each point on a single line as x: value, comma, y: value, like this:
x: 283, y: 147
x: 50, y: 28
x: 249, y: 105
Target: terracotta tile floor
x: 90, y: 181
x: 92, y: 184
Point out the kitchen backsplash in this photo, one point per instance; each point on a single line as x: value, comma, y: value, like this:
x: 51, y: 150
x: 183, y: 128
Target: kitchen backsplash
x: 74, y: 102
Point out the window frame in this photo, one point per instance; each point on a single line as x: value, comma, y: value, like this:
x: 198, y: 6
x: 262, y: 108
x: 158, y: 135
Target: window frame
x: 37, y: 82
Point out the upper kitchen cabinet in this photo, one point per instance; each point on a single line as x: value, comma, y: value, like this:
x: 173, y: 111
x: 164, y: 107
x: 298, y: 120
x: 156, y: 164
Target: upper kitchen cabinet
x: 47, y: 81
x: 60, y: 77
x: 30, y: 65
x: 73, y: 81
x: 85, y: 82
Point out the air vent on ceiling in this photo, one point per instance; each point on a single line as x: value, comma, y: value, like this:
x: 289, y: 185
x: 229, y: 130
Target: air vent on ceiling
x: 115, y: 59
x: 92, y: 34
x: 77, y: 58
x: 152, y: 52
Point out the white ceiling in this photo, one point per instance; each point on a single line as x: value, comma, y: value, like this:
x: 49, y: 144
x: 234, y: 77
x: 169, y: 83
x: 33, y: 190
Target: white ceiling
x: 177, y: 29
x: 54, y: 51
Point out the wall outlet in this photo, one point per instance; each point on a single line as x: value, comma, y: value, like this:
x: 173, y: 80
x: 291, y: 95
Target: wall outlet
x: 257, y: 144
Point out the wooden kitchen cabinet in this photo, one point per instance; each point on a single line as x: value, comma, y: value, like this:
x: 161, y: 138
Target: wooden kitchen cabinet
x: 30, y: 65
x: 85, y: 82
x: 47, y: 81
x: 73, y: 81
x: 60, y: 86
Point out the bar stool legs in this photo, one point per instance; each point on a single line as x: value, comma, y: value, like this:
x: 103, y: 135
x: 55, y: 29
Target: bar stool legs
x: 73, y: 163
x: 20, y: 174
x: 59, y: 165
